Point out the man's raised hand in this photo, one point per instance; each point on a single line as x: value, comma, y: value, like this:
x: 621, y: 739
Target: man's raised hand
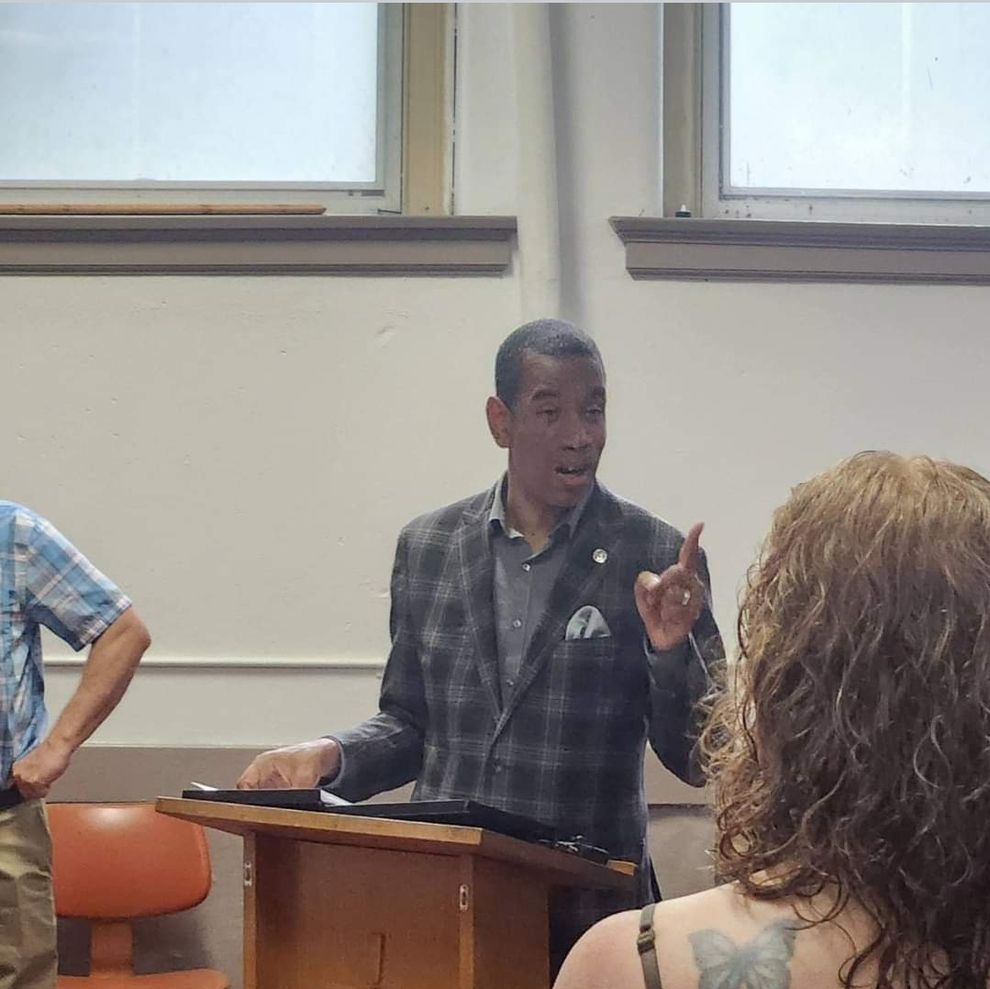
x: 669, y: 603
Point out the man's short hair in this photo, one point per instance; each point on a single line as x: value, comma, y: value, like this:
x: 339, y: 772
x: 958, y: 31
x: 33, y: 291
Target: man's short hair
x: 546, y: 337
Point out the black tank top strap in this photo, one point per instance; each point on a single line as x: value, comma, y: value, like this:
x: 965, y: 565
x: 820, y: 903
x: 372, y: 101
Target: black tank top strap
x: 647, y: 946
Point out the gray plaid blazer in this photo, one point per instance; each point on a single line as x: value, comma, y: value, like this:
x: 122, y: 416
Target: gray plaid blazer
x: 567, y: 746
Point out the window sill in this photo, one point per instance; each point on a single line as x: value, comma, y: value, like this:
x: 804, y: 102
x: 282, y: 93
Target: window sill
x: 804, y: 251
x: 256, y: 245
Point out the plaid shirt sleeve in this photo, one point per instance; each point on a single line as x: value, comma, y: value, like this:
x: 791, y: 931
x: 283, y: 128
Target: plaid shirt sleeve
x: 680, y: 678
x: 62, y: 590
x: 386, y: 751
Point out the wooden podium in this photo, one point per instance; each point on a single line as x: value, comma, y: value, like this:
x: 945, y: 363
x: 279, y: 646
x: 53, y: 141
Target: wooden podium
x: 333, y: 901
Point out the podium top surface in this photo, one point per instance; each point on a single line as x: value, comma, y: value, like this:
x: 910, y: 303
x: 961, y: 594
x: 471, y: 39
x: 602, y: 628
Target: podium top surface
x: 560, y: 868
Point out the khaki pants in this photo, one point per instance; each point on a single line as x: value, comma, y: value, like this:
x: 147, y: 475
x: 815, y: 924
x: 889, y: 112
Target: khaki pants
x: 27, y: 914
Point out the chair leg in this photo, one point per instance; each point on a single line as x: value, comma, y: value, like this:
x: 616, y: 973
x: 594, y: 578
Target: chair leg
x: 111, y: 950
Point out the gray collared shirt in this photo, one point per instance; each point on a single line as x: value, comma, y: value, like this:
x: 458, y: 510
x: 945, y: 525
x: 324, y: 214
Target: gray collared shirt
x: 523, y: 581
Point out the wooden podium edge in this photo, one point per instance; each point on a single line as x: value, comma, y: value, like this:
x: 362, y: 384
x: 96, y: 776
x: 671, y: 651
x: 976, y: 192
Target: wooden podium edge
x: 560, y: 868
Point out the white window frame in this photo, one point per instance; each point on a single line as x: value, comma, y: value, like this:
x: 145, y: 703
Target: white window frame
x: 695, y: 87
x: 383, y: 195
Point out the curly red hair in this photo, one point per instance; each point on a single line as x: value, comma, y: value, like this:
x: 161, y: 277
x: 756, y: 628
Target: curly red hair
x: 851, y: 750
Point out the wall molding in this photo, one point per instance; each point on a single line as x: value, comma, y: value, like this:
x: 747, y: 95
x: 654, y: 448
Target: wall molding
x: 804, y: 251
x: 236, y: 662
x: 256, y: 245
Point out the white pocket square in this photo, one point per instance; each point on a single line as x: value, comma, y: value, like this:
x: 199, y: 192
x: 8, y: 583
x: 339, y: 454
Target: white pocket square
x: 587, y: 623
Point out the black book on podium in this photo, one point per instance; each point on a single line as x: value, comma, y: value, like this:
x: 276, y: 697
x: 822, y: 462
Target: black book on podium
x: 467, y: 813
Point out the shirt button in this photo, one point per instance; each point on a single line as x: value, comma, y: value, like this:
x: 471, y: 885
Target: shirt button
x: 516, y: 623
x: 527, y: 567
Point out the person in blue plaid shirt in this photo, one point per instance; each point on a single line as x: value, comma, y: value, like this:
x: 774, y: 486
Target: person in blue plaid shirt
x: 543, y: 632
x: 46, y: 581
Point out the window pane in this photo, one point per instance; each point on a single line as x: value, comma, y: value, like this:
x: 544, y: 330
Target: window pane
x: 853, y: 96
x: 189, y: 92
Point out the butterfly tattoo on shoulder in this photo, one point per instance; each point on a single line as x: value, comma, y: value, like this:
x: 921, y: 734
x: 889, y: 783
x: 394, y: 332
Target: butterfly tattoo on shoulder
x: 763, y: 963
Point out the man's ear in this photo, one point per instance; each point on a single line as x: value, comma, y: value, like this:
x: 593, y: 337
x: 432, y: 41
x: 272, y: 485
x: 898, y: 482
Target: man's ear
x: 499, y: 418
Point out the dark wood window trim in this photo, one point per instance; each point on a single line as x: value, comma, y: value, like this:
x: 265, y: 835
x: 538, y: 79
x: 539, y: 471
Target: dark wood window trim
x: 804, y: 251
x: 256, y: 245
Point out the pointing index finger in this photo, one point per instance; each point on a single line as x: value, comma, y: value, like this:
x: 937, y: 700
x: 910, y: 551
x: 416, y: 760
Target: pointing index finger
x: 688, y: 556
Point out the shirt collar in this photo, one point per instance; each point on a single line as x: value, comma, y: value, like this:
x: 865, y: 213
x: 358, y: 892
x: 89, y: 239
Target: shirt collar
x: 567, y: 526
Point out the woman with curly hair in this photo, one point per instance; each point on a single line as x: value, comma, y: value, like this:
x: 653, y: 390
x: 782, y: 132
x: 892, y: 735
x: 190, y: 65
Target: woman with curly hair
x: 849, y: 755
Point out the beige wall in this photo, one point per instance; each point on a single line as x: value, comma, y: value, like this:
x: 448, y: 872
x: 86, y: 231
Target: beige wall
x: 240, y: 452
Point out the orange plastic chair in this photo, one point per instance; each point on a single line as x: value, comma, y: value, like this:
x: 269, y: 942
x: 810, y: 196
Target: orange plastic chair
x: 117, y: 862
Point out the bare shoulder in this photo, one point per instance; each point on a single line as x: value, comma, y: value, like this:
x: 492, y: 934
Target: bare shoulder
x: 605, y: 957
x: 701, y: 940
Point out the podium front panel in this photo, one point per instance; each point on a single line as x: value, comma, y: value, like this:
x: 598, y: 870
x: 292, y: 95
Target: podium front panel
x: 340, y: 917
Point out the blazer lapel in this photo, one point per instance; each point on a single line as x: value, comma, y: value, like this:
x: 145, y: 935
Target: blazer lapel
x: 588, y: 557
x: 477, y: 576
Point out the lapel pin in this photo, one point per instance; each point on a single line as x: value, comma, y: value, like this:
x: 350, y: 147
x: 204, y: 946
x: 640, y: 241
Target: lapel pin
x: 599, y: 556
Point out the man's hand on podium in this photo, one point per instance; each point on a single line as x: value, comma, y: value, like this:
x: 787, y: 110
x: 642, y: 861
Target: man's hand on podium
x: 292, y: 767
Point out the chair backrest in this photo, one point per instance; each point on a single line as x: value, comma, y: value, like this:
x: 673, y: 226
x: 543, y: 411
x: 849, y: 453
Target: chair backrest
x: 118, y: 861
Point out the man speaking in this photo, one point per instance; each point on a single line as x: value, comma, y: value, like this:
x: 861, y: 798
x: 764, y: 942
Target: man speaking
x: 542, y: 632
